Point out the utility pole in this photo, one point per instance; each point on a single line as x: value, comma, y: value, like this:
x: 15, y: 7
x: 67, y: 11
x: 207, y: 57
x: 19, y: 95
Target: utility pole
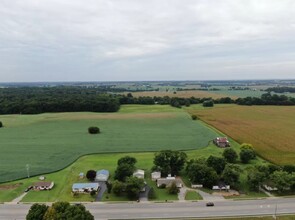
x: 28, y: 170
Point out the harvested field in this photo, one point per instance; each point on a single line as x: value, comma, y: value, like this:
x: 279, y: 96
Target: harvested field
x: 269, y: 128
x: 183, y: 94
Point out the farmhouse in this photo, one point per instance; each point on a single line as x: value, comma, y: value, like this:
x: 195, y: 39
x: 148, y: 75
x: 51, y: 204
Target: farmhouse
x: 221, y: 142
x: 155, y: 175
x: 221, y: 186
x: 102, y: 175
x: 85, y: 187
x: 139, y: 174
x: 168, y: 181
x: 43, y: 185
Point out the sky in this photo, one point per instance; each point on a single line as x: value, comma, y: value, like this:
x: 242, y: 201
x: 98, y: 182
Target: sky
x: 134, y: 40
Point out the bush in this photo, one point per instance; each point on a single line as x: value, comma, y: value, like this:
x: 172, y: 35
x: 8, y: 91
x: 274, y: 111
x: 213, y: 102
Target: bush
x: 93, y: 192
x: 173, y: 188
x: 93, y: 130
x: 91, y: 174
x: 162, y: 186
x: 151, y: 194
x: 194, y: 117
x: 109, y: 186
x: 1, y: 124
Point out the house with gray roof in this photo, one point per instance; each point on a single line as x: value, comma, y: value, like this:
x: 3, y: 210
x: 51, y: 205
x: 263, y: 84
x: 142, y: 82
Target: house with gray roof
x: 102, y: 175
x: 85, y: 187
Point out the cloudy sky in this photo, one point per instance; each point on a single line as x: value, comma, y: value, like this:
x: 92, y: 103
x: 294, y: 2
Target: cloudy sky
x: 114, y: 40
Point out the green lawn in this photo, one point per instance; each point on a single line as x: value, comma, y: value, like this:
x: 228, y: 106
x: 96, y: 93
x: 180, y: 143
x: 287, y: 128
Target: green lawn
x: 192, y: 195
x: 49, y: 142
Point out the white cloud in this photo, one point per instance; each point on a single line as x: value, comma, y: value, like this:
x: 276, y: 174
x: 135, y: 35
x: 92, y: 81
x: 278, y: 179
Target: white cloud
x: 85, y: 39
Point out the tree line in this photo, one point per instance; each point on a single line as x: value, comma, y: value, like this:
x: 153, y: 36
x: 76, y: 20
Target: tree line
x: 34, y: 100
x: 282, y: 89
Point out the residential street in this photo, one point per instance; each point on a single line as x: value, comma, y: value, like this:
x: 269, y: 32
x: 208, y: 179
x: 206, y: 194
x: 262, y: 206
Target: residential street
x: 169, y: 210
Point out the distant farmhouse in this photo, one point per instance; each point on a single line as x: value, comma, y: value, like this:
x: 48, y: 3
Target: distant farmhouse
x: 85, y: 187
x: 102, y: 175
x: 221, y: 142
x: 43, y: 185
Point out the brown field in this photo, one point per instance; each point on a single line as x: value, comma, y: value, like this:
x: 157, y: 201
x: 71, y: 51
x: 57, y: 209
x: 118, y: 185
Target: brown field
x: 181, y: 94
x: 269, y: 128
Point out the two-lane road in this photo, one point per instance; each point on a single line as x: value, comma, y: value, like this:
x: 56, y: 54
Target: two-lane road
x: 170, y: 210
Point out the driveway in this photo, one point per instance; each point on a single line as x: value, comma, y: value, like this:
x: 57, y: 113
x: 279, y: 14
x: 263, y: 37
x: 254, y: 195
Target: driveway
x: 102, y: 189
x: 143, y: 196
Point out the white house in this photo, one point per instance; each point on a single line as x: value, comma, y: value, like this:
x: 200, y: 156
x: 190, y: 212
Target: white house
x: 156, y: 175
x: 168, y: 181
x: 85, y: 187
x: 139, y: 174
x: 102, y: 175
x: 43, y: 185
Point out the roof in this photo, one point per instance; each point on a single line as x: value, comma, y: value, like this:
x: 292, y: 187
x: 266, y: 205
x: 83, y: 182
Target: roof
x: 39, y: 184
x: 222, y: 139
x: 85, y: 185
x: 168, y: 181
x: 103, y: 172
x: 139, y: 172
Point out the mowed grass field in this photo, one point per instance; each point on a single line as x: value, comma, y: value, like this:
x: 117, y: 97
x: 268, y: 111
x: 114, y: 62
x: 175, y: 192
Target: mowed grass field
x: 49, y: 142
x: 269, y: 128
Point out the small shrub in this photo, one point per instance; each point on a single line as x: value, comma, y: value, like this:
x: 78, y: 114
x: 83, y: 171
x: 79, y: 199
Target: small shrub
x: 162, y: 186
x: 173, y: 189
x: 151, y: 194
x: 1, y: 124
x: 194, y: 117
x: 93, y: 130
x: 93, y: 192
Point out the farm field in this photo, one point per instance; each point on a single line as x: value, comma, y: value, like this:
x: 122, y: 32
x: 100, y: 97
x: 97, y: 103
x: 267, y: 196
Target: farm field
x: 269, y: 128
x: 49, y: 142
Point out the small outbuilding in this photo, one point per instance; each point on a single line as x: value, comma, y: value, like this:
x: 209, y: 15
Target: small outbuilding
x: 139, y: 174
x: 102, y: 175
x: 81, y: 175
x: 155, y: 175
x: 85, y: 187
x: 43, y: 185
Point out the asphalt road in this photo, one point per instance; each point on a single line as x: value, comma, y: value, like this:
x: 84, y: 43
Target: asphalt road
x: 103, y: 211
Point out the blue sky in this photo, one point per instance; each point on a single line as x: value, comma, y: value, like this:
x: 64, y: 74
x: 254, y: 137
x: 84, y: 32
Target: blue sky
x: 114, y: 40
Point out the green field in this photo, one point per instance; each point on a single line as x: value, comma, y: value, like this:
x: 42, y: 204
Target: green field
x: 49, y: 142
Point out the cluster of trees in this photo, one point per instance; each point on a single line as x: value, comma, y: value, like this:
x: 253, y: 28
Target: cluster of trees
x: 282, y: 89
x: 34, y: 100
x: 169, y: 162
x: 282, y: 178
x: 209, y: 171
x: 124, y: 181
x: 58, y: 211
x: 266, y: 99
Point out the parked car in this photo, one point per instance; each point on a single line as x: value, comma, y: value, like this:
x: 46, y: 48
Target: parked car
x: 29, y: 188
x: 209, y: 204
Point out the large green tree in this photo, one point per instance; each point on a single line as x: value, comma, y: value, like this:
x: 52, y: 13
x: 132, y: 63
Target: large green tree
x: 282, y: 180
x: 217, y: 163
x: 256, y: 178
x: 231, y: 174
x: 133, y: 186
x: 127, y: 160
x: 230, y: 155
x: 199, y: 173
x: 37, y: 212
x: 59, y: 211
x: 246, y: 155
x: 170, y: 162
x: 123, y: 171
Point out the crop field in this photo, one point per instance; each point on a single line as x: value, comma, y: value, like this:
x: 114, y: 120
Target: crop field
x: 269, y: 128
x: 183, y: 94
x: 49, y: 142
